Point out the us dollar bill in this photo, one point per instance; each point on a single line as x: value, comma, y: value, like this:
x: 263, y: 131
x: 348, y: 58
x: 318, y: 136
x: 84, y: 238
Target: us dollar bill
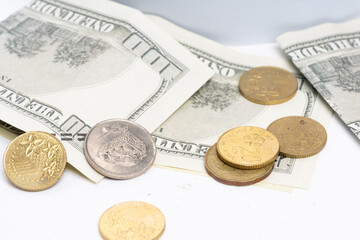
x: 329, y: 57
x: 218, y: 106
x: 67, y: 65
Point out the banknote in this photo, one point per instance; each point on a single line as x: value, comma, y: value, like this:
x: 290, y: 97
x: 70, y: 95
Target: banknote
x: 8, y: 131
x: 329, y: 57
x: 67, y: 65
x: 183, y: 139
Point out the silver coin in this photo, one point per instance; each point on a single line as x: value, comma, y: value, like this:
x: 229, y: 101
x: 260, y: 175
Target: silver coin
x: 119, y: 149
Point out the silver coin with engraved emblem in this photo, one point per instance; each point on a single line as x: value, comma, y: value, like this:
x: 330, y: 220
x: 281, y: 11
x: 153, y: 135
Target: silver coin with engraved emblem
x: 119, y: 149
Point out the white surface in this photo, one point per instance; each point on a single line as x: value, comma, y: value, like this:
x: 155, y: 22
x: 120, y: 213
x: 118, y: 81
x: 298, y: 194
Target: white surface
x: 235, y: 22
x: 197, y: 207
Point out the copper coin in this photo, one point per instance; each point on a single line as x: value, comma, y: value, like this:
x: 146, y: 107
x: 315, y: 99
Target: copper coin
x: 268, y: 85
x: 226, y: 174
x: 35, y: 161
x: 248, y: 147
x: 132, y: 220
x: 299, y: 137
x: 119, y: 149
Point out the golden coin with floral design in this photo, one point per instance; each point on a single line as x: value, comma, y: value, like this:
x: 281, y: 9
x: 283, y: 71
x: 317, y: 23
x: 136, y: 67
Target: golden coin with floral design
x: 35, y: 161
x: 132, y: 221
x: 268, y: 85
x: 226, y: 174
x: 248, y: 147
x: 299, y: 137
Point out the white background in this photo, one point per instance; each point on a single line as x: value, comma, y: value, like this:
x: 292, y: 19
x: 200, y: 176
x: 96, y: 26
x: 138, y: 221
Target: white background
x: 196, y: 207
x: 240, y: 22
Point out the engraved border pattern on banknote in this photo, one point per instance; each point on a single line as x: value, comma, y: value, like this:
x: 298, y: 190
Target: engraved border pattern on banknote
x: 74, y: 124
x: 318, y: 83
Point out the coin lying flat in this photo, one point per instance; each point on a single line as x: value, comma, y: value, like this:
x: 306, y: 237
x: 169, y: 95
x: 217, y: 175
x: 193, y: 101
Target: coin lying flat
x: 35, y: 161
x: 226, y: 174
x: 248, y: 147
x: 133, y: 221
x: 119, y: 149
x: 299, y: 137
x: 268, y: 85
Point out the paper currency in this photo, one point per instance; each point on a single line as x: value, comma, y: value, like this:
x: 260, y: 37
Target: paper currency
x: 329, y: 57
x: 218, y: 106
x: 9, y: 132
x: 66, y: 65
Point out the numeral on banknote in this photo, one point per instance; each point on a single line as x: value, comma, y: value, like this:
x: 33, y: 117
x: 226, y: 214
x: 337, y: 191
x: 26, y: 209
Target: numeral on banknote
x: 5, y: 79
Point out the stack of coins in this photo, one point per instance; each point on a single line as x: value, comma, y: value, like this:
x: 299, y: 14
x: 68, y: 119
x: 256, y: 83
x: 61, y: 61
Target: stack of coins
x: 246, y: 155
x: 242, y: 156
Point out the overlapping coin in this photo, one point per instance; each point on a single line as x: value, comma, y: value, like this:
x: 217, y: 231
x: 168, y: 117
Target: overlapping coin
x: 268, y: 85
x: 226, y: 174
x: 299, y: 137
x: 119, y: 149
x: 35, y: 161
x: 132, y: 220
x: 248, y: 147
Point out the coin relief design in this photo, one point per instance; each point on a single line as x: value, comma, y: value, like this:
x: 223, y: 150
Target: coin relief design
x: 119, y: 149
x: 248, y: 147
x: 226, y: 174
x: 299, y: 137
x: 268, y: 85
x: 35, y: 161
x: 132, y: 221
x: 124, y: 149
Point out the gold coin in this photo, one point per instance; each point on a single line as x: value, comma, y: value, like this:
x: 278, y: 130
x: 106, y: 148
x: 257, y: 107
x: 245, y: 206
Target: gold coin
x: 35, y: 161
x: 132, y: 220
x: 248, y: 147
x: 268, y: 85
x: 299, y: 137
x: 226, y: 174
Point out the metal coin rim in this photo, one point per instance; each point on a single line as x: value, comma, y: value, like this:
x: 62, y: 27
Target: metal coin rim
x: 233, y: 182
x: 242, y: 166
x: 38, y: 188
x: 272, y: 102
x: 110, y: 175
x: 107, y: 210
x: 304, y: 155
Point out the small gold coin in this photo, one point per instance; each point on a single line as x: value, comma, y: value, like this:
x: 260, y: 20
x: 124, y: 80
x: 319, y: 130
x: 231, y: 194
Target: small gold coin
x: 299, y: 137
x: 132, y: 220
x: 248, y: 147
x: 226, y: 174
x: 35, y: 161
x: 268, y: 85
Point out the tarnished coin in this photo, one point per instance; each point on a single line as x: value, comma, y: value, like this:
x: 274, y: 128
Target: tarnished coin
x: 248, y: 147
x: 132, y: 220
x: 268, y: 85
x: 119, y: 149
x: 226, y: 174
x: 299, y: 137
x: 35, y: 161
